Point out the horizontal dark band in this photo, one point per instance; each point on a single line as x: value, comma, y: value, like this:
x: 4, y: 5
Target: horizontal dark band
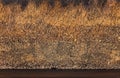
x: 63, y: 3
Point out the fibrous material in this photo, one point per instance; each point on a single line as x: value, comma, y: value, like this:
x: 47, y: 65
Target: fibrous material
x: 62, y: 34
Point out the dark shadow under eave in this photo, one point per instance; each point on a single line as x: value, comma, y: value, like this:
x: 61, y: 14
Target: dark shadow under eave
x: 63, y: 3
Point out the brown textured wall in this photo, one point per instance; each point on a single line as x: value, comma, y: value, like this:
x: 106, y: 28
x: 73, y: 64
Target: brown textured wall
x: 45, y: 36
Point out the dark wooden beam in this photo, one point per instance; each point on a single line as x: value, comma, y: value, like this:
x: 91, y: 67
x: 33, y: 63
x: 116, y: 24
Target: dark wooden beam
x: 54, y: 73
